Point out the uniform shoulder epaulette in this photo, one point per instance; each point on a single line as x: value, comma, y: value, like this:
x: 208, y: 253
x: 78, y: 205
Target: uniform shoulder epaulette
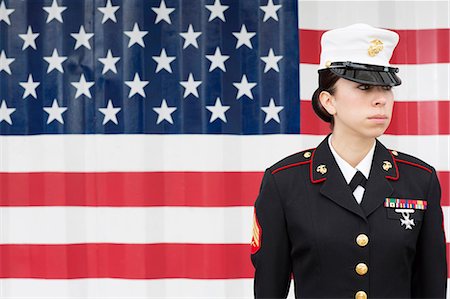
x: 297, y: 159
x: 410, y: 160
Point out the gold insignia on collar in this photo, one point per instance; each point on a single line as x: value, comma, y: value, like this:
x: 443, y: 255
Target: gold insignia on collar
x: 376, y: 46
x: 322, y: 169
x: 387, y: 165
x: 307, y: 155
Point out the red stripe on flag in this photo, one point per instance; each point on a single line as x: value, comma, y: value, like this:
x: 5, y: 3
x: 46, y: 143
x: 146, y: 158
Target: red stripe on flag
x: 203, y: 189
x: 140, y: 189
x: 409, y: 118
x: 130, y: 261
x: 415, y: 46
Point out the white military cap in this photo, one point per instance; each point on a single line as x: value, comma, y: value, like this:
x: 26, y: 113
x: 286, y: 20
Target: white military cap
x: 360, y: 53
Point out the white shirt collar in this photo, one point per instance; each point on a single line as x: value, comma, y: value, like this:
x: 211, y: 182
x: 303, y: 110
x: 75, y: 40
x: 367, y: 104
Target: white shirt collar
x: 347, y: 170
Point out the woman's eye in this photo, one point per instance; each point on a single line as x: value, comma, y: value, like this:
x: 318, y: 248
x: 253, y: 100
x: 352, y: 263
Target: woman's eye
x: 387, y: 87
x: 364, y: 87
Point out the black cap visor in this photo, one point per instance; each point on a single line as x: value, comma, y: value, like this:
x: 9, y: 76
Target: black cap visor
x: 366, y: 73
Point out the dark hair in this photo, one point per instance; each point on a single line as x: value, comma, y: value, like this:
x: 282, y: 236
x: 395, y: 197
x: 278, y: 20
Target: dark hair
x: 327, y: 81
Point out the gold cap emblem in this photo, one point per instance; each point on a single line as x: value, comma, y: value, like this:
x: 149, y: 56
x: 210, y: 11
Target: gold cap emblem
x: 322, y: 169
x: 376, y: 46
x: 387, y: 165
x: 307, y: 155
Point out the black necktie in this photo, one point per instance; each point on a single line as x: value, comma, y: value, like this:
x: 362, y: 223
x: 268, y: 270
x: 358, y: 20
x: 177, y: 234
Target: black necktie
x: 358, y: 180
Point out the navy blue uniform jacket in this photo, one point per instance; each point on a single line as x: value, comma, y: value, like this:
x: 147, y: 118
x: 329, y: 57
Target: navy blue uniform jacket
x: 307, y: 223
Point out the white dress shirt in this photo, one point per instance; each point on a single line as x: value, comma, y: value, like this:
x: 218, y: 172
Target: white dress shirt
x: 349, y: 171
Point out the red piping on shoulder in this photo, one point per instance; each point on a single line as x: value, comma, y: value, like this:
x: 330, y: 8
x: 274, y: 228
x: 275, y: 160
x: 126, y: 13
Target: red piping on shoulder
x: 311, y: 172
x: 414, y: 164
x: 289, y: 166
x: 396, y: 169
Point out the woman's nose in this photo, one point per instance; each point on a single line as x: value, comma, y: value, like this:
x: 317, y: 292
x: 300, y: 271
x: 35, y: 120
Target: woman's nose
x: 380, y: 96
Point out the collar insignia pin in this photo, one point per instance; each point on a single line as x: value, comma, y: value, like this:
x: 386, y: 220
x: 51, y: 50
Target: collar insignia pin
x: 387, y: 165
x: 322, y: 169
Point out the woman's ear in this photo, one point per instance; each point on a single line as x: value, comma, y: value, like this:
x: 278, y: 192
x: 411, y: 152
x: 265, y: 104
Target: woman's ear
x: 327, y: 100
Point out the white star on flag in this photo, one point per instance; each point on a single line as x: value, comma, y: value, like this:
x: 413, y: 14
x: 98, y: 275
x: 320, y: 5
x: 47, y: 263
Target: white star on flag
x: 244, y: 88
x: 164, y: 112
x: 110, y: 113
x: 5, y: 62
x: 5, y: 113
x: 137, y: 86
x: 82, y: 87
x: 55, y: 61
x: 55, y: 112
x: 109, y: 12
x: 217, y: 11
x: 244, y: 37
x: 217, y: 60
x: 109, y: 63
x: 190, y: 86
x: 82, y: 38
x: 5, y: 12
x: 271, y: 61
x: 30, y: 87
x: 29, y: 39
x: 136, y: 36
x: 190, y: 37
x: 272, y: 111
x: 162, y: 13
x: 218, y: 111
x: 163, y: 61
x: 54, y: 12
x: 270, y: 11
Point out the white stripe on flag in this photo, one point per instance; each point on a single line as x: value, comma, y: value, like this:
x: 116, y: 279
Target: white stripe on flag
x: 98, y: 153
x: 61, y: 225
x: 386, y: 14
x: 125, y: 288
x: 421, y: 82
x: 131, y: 288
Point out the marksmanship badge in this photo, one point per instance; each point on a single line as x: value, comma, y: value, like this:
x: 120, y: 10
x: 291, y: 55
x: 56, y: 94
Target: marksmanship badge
x: 406, y: 221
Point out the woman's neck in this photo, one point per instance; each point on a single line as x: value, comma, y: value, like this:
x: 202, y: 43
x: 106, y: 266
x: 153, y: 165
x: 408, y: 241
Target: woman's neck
x: 351, y: 148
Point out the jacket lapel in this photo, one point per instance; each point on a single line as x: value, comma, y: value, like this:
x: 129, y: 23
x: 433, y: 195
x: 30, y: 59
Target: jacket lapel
x: 334, y: 185
x: 378, y: 187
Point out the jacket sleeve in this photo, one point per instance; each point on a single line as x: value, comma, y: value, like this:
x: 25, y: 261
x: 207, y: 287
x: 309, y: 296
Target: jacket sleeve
x: 430, y: 267
x: 271, y: 254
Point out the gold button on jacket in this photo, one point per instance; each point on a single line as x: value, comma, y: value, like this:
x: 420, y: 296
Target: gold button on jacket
x: 361, y: 269
x: 362, y: 240
x: 361, y: 295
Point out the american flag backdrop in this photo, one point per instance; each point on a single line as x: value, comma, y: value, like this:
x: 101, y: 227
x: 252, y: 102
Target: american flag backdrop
x: 134, y: 133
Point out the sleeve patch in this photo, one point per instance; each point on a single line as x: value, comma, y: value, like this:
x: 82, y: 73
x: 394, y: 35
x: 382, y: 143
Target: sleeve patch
x: 257, y: 232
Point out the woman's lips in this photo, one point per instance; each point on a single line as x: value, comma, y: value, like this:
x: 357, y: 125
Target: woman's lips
x: 379, y: 118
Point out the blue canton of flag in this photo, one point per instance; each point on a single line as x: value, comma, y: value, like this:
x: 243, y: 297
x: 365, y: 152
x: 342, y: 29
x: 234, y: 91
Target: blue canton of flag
x: 151, y: 67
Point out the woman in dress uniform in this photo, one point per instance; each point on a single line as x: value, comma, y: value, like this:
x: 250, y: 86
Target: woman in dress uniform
x: 351, y: 218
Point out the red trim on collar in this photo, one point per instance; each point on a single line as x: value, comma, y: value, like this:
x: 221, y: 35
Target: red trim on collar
x: 290, y: 166
x: 311, y: 171
x: 414, y: 164
x: 396, y: 169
